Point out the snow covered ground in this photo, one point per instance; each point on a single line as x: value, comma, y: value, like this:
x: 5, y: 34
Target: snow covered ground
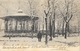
x: 30, y: 44
x: 59, y: 43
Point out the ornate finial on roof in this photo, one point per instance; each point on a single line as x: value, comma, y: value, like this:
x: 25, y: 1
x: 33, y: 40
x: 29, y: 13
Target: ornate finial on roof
x: 20, y: 11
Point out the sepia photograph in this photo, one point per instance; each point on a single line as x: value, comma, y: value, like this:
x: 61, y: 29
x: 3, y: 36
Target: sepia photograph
x: 39, y: 25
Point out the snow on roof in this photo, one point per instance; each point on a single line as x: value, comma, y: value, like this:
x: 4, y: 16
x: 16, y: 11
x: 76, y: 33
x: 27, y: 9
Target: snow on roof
x: 19, y: 13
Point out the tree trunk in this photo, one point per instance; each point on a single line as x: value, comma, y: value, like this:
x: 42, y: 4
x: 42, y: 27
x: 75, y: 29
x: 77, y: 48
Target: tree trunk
x: 46, y: 41
x: 66, y: 29
x: 50, y: 26
x: 63, y: 29
x: 53, y: 29
x: 16, y: 25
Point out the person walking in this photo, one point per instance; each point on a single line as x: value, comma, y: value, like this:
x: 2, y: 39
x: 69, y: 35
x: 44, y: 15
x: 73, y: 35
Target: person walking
x: 39, y: 36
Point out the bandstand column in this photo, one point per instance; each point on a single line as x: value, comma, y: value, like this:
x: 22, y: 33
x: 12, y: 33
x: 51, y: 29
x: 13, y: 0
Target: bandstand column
x: 27, y: 25
x: 33, y: 25
x: 10, y: 25
x: 16, y: 25
x: 23, y: 25
x: 36, y: 26
x: 6, y: 25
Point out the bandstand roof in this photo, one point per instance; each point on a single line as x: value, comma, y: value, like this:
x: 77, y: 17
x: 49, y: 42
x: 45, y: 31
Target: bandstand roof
x: 21, y: 15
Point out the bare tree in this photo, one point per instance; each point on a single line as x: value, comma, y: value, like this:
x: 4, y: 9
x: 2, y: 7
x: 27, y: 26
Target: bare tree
x: 47, y: 13
x: 53, y: 16
x: 50, y: 18
x: 32, y: 13
x: 67, y: 16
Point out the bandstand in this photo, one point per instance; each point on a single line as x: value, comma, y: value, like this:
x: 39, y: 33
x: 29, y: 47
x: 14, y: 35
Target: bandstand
x: 20, y: 24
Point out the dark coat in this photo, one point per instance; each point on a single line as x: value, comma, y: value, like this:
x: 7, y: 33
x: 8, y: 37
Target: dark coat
x: 39, y: 35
